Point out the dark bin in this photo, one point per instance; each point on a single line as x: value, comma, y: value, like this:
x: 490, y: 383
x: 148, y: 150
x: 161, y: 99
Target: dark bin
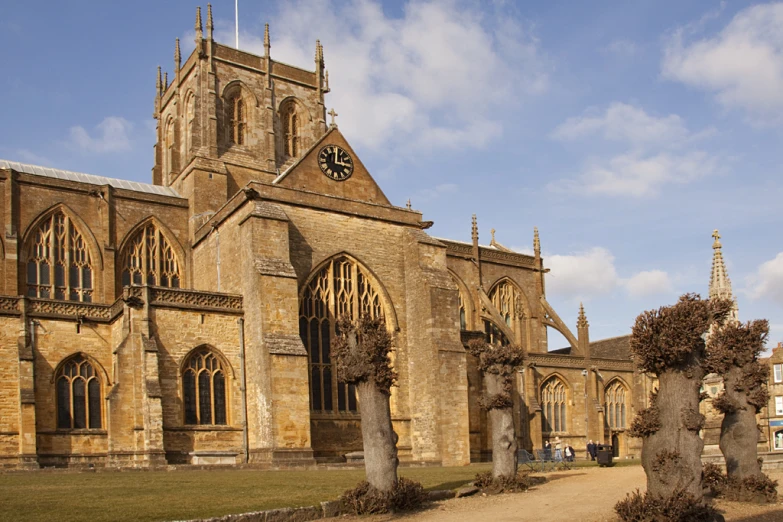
x: 604, y: 455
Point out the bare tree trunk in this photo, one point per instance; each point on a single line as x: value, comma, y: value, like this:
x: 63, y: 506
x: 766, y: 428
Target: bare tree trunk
x: 380, y: 441
x: 672, y: 455
x: 504, y: 443
x: 738, y: 433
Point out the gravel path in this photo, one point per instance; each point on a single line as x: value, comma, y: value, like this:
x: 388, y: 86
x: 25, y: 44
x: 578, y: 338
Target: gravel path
x: 584, y: 495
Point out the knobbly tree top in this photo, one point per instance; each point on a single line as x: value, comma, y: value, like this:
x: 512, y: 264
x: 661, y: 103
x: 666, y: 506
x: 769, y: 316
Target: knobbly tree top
x: 368, y: 360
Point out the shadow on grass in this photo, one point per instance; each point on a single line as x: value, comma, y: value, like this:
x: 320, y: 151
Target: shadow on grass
x: 550, y: 477
x: 449, y: 485
x: 769, y: 515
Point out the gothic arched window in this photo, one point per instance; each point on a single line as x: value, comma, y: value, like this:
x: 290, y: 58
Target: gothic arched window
x: 505, y: 299
x: 204, y: 388
x: 149, y: 259
x: 463, y: 318
x: 340, y: 288
x: 291, y: 131
x: 58, y: 261
x: 553, y: 406
x: 615, y: 405
x: 237, y: 120
x: 78, y: 389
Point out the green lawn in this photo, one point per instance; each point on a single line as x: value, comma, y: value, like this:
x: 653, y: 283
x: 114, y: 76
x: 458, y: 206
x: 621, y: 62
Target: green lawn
x: 177, y: 495
x: 186, y: 494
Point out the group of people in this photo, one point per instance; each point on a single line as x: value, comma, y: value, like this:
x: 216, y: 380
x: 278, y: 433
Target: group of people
x: 592, y: 449
x: 562, y: 451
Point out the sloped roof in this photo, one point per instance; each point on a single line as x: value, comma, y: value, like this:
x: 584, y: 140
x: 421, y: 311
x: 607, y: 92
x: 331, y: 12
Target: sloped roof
x: 612, y: 348
x: 88, y: 178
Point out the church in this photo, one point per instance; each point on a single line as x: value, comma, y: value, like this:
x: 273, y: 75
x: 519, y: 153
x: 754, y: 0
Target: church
x: 190, y: 320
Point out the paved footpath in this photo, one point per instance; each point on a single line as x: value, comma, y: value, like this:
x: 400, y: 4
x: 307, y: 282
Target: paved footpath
x: 584, y: 495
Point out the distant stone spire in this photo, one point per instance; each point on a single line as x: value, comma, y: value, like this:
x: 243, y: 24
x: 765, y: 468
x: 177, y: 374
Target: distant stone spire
x: 720, y: 284
x: 165, y: 81
x: 581, y: 321
x: 199, y: 30
x: 474, y: 231
x: 536, y: 242
x: 267, y: 41
x: 177, y: 55
x: 159, y: 83
x: 319, y: 53
x: 210, y: 25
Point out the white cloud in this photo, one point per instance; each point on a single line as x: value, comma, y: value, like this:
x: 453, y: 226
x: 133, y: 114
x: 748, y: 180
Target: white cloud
x: 622, y: 48
x: 767, y: 282
x: 586, y: 275
x: 649, y: 282
x: 659, y: 153
x: 430, y: 194
x: 111, y: 135
x: 582, y: 275
x: 742, y: 65
x: 624, y: 123
x: 415, y: 82
x: 639, y: 175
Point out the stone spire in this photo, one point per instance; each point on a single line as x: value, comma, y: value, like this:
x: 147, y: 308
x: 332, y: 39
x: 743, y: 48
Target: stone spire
x: 210, y: 25
x: 319, y: 53
x: 581, y: 321
x: 267, y: 41
x: 177, y: 56
x: 536, y: 242
x: 159, y: 84
x: 474, y: 231
x: 199, y: 30
x: 720, y: 284
x: 165, y: 81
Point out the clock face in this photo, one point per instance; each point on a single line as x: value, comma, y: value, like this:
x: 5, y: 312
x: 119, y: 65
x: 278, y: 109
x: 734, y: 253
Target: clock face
x: 335, y: 163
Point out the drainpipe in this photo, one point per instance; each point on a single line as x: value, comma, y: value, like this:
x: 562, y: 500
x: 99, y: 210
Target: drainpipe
x: 245, y: 442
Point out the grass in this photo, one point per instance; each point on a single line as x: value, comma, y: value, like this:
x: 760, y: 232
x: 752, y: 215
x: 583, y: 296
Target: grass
x: 186, y: 494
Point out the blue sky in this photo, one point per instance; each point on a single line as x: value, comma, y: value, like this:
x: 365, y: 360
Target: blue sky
x: 625, y: 131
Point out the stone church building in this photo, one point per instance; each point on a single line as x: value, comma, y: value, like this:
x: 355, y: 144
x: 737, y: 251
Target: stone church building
x: 190, y: 320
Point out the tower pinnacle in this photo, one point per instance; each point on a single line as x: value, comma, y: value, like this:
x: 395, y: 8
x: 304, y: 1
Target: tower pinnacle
x: 581, y: 321
x: 210, y: 25
x: 177, y: 55
x: 720, y: 284
x: 199, y: 29
x: 267, y: 41
x: 474, y: 231
x: 536, y: 242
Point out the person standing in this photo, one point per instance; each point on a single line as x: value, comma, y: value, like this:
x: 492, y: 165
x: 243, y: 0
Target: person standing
x: 558, y: 449
x: 547, y: 451
x: 591, y: 449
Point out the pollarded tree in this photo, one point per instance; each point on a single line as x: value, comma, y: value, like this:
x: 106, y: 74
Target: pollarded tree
x: 497, y: 364
x: 733, y: 353
x: 669, y: 343
x: 362, y: 356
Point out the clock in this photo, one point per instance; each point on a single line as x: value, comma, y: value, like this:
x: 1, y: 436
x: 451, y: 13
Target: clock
x: 335, y: 163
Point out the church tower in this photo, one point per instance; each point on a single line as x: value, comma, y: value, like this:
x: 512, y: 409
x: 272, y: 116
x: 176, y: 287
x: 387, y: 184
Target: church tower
x: 230, y: 117
x: 720, y: 284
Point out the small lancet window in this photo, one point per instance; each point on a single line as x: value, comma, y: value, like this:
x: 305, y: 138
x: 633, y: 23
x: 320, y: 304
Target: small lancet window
x: 204, y: 389
x: 237, y: 123
x: 58, y: 261
x: 78, y: 395
x: 149, y: 259
x: 291, y: 131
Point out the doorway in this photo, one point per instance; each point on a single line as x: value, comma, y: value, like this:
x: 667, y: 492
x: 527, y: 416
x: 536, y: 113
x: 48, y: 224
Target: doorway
x: 615, y: 445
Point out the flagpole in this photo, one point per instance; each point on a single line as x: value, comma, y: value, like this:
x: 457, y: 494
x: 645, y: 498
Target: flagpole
x: 236, y: 21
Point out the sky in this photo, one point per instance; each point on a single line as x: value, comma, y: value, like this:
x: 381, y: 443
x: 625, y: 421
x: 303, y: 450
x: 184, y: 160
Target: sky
x: 625, y: 131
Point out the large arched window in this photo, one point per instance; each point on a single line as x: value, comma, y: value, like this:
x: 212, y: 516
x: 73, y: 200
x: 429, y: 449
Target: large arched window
x: 554, y: 402
x: 58, y: 261
x: 237, y: 121
x: 204, y: 388
x: 78, y: 390
x: 615, y: 405
x: 505, y: 298
x: 291, y: 130
x: 340, y: 288
x: 149, y: 259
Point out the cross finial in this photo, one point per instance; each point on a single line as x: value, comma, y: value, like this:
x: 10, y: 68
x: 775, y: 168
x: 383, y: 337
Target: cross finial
x: 408, y: 204
x: 332, y: 113
x: 493, y: 234
x: 716, y: 236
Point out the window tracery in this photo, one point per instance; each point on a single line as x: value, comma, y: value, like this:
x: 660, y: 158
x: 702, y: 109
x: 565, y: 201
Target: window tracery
x: 237, y: 120
x: 204, y: 389
x: 615, y: 405
x: 78, y: 390
x: 58, y: 262
x: 291, y: 131
x: 340, y: 288
x: 554, y: 406
x: 505, y: 298
x: 149, y: 259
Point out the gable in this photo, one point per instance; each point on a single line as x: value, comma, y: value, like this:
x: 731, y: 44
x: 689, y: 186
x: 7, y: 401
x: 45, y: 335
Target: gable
x: 305, y: 174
